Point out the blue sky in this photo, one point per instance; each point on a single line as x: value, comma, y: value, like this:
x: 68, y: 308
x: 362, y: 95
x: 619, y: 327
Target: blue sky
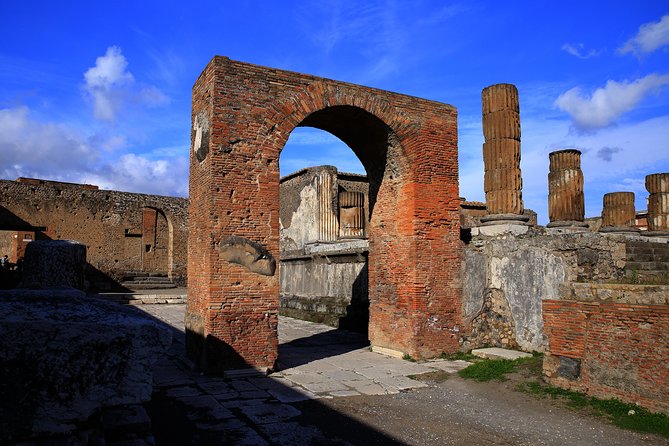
x: 100, y: 92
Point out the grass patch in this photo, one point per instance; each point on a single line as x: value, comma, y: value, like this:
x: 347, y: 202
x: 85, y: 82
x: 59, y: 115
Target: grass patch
x: 488, y: 370
x: 624, y: 415
x: 458, y: 356
x: 495, y: 369
x: 407, y: 357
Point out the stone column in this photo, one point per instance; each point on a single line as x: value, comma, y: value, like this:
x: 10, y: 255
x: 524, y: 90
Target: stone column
x: 618, y: 214
x: 328, y: 226
x: 501, y: 155
x: 657, y: 186
x: 566, y: 203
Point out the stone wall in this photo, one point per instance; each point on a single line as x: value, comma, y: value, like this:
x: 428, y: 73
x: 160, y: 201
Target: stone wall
x: 506, y: 279
x: 324, y: 280
x: 610, y: 341
x: 328, y: 284
x: 122, y: 231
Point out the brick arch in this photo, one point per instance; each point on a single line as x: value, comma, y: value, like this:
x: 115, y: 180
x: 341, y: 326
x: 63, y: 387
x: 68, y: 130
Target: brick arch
x: 242, y: 117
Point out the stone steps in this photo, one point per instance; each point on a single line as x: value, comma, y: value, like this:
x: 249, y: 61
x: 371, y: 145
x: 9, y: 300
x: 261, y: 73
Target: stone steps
x: 137, y: 280
x: 647, y: 260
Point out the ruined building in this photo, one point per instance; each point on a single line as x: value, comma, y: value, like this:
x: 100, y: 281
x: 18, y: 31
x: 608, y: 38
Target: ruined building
x: 433, y: 285
x: 127, y: 235
x: 398, y: 252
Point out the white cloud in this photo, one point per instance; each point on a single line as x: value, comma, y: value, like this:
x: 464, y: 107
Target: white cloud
x: 32, y: 148
x: 650, y: 37
x: 110, y: 86
x: 134, y: 173
x: 55, y: 151
x: 578, y: 51
x: 606, y: 104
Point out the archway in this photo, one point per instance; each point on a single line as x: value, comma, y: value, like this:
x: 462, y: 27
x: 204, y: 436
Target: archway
x: 242, y: 116
x: 323, y: 245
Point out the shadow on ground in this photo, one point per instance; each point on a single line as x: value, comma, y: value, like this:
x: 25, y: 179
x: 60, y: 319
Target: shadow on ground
x: 189, y: 407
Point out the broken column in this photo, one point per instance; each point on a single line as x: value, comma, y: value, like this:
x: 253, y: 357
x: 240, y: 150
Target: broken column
x: 566, y: 203
x: 501, y: 156
x: 618, y: 213
x: 657, y: 186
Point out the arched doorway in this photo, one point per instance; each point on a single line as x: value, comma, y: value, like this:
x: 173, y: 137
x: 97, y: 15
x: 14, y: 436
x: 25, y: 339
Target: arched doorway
x: 242, y: 116
x: 323, y: 219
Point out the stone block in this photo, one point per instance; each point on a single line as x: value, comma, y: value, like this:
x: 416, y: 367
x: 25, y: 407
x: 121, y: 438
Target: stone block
x: 70, y: 356
x: 54, y: 264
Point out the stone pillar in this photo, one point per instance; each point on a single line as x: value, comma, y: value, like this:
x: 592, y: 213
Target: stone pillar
x: 501, y: 156
x: 657, y: 186
x: 618, y: 214
x: 54, y: 264
x: 566, y: 203
x: 328, y: 226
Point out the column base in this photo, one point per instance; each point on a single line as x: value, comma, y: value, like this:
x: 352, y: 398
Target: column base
x: 624, y: 230
x: 501, y: 228
x: 566, y: 227
x: 655, y: 233
x: 502, y: 219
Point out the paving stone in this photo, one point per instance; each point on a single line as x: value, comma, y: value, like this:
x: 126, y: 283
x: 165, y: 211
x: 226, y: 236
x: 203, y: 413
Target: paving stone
x: 366, y: 387
x: 292, y: 433
x: 342, y: 375
x: 242, y: 385
x: 244, y: 436
x: 325, y: 386
x: 499, y: 353
x: 250, y: 394
x: 176, y: 392
x: 215, y: 387
x: 170, y: 377
x: 220, y: 425
x: 344, y: 393
x: 292, y: 394
x: 449, y: 366
x: 236, y: 403
x: 200, y: 401
x: 270, y: 412
x: 402, y: 383
x: 226, y: 396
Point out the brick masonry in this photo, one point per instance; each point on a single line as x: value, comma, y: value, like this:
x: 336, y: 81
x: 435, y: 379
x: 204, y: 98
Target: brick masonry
x: 619, y: 335
x: 242, y: 117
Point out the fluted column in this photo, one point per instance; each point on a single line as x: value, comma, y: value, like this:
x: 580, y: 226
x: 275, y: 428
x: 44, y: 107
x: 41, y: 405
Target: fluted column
x: 566, y: 202
x: 618, y: 213
x: 328, y: 225
x: 657, y: 186
x: 501, y: 155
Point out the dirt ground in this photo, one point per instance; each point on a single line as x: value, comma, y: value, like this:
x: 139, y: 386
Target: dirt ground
x: 454, y: 411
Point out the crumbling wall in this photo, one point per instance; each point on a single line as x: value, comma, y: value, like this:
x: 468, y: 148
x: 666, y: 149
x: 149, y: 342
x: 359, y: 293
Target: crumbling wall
x: 610, y: 341
x: 507, y: 279
x: 109, y: 223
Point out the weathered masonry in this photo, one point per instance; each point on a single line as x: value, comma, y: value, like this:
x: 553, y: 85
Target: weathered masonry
x: 242, y: 117
x: 323, y: 246
x: 124, y: 232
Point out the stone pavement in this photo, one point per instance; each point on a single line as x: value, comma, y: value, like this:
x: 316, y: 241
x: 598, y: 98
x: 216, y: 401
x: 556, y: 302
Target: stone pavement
x: 315, y: 361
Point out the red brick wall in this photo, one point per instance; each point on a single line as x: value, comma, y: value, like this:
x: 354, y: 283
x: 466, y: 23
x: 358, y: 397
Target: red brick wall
x: 623, y: 349
x: 409, y: 149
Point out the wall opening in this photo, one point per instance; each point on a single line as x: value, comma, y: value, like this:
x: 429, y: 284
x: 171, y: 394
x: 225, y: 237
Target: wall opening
x: 324, y: 197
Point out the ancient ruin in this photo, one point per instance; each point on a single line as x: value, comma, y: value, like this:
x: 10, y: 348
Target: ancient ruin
x: 658, y: 203
x: 618, y: 214
x: 503, y: 183
x: 323, y: 274
x: 566, y: 203
x: 395, y: 254
x: 127, y: 235
x: 67, y: 357
x: 242, y: 117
